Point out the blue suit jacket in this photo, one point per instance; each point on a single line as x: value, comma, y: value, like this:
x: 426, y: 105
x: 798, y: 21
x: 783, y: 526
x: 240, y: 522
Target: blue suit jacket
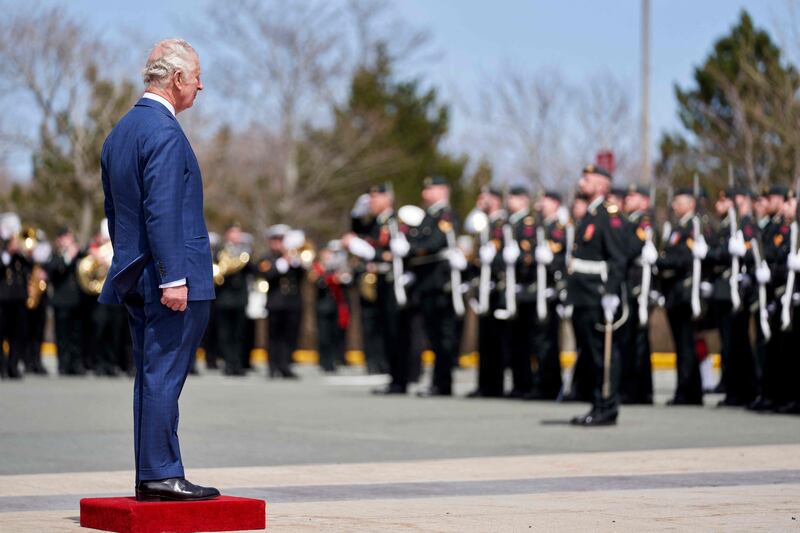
x: 154, y: 204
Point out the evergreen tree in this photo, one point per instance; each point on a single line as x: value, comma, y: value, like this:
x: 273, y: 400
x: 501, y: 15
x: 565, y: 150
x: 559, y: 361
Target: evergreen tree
x: 740, y: 109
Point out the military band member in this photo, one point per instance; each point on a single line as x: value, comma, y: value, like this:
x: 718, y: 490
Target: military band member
x: 231, y: 302
x: 385, y: 324
x: 551, y: 254
x: 66, y: 302
x: 331, y: 278
x: 285, y: 276
x: 107, y: 322
x: 596, y: 274
x: 38, y: 252
x: 675, y: 272
x: 429, y: 263
x: 14, y: 269
x: 636, y: 384
x: 493, y: 331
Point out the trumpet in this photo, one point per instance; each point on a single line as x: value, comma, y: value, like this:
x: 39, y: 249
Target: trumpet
x: 299, y: 248
x: 92, y: 270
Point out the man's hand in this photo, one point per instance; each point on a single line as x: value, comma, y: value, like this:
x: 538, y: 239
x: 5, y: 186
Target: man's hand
x: 176, y: 298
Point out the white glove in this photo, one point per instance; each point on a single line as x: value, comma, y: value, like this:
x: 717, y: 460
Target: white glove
x: 487, y: 253
x: 610, y: 303
x: 763, y: 275
x: 282, y: 265
x: 511, y: 253
x: 649, y: 254
x: 361, y: 248
x: 700, y: 248
x: 793, y: 262
x: 456, y: 259
x: 543, y: 254
x: 400, y: 246
x: 736, y: 245
x: 361, y: 207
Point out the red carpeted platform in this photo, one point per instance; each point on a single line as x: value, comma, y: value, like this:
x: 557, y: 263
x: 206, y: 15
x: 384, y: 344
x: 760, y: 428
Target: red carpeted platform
x: 126, y: 515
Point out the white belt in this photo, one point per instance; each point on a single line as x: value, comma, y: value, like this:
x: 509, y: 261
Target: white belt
x: 584, y: 266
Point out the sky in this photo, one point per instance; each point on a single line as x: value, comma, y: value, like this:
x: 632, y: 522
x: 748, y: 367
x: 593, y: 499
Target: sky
x: 474, y: 37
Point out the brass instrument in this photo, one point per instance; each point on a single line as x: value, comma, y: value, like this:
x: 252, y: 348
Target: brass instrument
x: 37, y: 283
x: 37, y: 286
x: 299, y: 248
x: 93, y: 269
x: 229, y: 262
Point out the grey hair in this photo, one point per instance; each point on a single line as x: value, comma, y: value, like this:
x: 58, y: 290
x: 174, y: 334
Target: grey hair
x: 166, y: 58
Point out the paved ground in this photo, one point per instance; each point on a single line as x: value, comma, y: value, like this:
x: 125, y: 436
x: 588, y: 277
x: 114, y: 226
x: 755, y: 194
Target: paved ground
x: 327, y: 455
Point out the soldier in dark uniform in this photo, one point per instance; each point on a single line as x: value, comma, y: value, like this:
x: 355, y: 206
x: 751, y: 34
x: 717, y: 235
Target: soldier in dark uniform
x: 231, y: 302
x: 793, y: 263
x: 774, y: 386
x: 38, y: 252
x: 596, y: 274
x: 14, y: 268
x: 66, y: 302
x: 331, y: 279
x: 107, y: 322
x: 738, y: 370
x: 636, y: 385
x: 285, y: 276
x: 523, y: 326
x: 493, y: 328
x: 675, y: 272
x: 385, y: 324
x: 551, y: 254
x: 429, y: 263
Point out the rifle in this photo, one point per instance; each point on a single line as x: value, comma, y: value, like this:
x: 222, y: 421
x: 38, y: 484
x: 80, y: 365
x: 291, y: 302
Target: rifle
x: 647, y: 270
x: 667, y: 230
x: 541, y: 279
x: 397, y: 262
x: 734, y: 280
x: 786, y: 299
x: 455, y: 276
x: 762, y: 294
x: 696, y: 264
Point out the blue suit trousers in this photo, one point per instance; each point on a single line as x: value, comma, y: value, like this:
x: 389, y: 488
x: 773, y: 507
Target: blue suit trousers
x: 164, y: 343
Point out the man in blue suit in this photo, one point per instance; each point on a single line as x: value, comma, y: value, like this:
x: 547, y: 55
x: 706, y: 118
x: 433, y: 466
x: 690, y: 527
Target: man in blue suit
x: 161, y: 270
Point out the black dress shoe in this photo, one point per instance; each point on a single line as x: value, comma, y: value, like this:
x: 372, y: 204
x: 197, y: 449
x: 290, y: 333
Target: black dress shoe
x: 595, y: 419
x: 791, y: 408
x: 434, y: 391
x: 175, y: 489
x: 761, y: 404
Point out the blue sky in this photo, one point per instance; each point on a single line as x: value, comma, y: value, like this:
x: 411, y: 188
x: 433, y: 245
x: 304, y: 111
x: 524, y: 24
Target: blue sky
x: 474, y: 37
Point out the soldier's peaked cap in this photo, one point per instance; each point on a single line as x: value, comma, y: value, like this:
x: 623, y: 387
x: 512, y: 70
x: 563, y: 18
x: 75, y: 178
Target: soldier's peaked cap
x: 430, y: 181
x: 596, y: 169
x: 494, y: 191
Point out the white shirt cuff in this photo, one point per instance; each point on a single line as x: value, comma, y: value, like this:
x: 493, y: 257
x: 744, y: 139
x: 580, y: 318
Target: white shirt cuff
x: 171, y: 284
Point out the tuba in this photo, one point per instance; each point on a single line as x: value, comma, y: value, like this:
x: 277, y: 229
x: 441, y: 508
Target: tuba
x: 92, y: 270
x: 39, y: 251
x: 230, y: 260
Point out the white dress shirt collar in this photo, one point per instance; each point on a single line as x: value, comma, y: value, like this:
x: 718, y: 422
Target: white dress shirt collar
x: 161, y: 100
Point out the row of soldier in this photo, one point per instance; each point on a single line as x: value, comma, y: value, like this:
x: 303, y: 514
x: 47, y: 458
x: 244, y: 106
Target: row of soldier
x: 598, y: 263
x: 602, y: 265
